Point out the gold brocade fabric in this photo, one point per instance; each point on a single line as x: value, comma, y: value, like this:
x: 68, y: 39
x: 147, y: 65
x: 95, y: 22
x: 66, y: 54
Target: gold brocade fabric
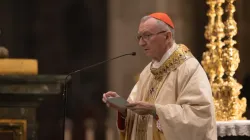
x: 157, y: 80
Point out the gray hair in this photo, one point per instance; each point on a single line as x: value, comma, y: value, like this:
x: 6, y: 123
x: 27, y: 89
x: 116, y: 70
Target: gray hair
x: 162, y: 25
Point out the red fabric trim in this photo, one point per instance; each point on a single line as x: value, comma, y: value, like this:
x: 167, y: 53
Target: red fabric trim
x: 120, y: 121
x: 156, y: 117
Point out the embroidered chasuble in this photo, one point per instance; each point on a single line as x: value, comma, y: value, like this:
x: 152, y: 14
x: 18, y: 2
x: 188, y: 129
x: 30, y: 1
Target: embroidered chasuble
x: 181, y: 92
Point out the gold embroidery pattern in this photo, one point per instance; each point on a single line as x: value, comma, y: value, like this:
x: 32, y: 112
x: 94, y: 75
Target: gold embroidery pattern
x: 177, y: 58
x: 129, y: 124
x: 159, y: 76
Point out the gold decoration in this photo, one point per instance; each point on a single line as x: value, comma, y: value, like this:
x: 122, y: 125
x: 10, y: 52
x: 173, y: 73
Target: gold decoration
x: 217, y: 86
x: 231, y: 62
x: 222, y: 60
x: 219, y: 31
x: 16, y: 66
x: 209, y: 57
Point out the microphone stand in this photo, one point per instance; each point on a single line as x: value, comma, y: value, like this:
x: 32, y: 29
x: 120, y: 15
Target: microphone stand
x: 65, y: 88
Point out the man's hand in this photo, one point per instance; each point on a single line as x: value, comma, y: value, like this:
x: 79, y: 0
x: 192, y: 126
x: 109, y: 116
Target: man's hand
x: 107, y: 95
x: 142, y: 108
x: 112, y: 94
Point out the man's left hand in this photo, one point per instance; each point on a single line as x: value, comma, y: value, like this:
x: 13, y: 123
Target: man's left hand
x: 141, y: 108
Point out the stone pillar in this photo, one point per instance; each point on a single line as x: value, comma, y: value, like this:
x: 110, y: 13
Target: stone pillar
x: 124, y: 17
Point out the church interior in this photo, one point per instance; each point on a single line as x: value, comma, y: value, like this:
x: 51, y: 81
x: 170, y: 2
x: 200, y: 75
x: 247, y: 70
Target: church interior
x: 43, y: 41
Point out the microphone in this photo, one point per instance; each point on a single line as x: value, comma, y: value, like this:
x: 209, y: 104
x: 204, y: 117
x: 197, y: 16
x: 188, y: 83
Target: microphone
x: 79, y: 70
x: 76, y: 71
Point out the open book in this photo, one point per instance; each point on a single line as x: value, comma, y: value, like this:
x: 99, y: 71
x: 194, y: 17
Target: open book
x: 117, y: 102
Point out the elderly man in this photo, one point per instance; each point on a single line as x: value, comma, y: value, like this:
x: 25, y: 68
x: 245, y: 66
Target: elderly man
x: 172, y: 99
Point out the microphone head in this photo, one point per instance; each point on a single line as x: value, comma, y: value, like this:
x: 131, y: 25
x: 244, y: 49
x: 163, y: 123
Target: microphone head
x: 133, y: 53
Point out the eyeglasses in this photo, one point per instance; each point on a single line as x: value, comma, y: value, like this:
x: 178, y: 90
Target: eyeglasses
x: 146, y: 37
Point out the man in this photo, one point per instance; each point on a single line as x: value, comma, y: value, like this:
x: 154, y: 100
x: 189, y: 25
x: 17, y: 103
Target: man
x: 172, y: 99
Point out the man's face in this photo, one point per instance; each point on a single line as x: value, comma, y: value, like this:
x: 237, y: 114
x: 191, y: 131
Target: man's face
x: 152, y: 39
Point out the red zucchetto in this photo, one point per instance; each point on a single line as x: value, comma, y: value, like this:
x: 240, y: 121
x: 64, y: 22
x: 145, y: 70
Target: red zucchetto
x: 163, y: 17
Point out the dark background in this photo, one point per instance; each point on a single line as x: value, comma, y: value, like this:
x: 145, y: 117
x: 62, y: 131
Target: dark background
x: 63, y: 35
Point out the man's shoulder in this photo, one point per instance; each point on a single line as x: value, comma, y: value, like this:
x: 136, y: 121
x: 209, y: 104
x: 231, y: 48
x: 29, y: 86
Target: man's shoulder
x: 147, y: 67
x: 190, y: 66
x: 191, y: 63
x: 146, y: 70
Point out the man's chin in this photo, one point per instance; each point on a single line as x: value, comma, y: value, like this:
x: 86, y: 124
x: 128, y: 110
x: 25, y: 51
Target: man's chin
x: 147, y: 54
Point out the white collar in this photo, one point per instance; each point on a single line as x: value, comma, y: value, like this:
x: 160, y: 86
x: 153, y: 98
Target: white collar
x: 167, y: 54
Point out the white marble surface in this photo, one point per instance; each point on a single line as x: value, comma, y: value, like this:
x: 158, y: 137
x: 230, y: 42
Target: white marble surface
x: 233, y: 128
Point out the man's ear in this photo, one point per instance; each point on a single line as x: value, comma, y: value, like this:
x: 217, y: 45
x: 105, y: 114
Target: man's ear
x: 168, y: 35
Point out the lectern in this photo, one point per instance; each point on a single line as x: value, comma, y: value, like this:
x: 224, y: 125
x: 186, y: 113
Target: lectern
x: 31, y: 107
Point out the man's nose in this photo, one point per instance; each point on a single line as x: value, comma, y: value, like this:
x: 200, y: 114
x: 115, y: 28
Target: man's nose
x: 142, y: 42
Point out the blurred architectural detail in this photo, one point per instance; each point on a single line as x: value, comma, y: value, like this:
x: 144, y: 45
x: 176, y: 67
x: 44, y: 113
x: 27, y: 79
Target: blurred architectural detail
x: 4, y: 53
x: 31, y: 106
x: 221, y: 60
x: 90, y: 125
x: 16, y: 66
x: 109, y: 130
x: 13, y: 129
x: 68, y: 129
